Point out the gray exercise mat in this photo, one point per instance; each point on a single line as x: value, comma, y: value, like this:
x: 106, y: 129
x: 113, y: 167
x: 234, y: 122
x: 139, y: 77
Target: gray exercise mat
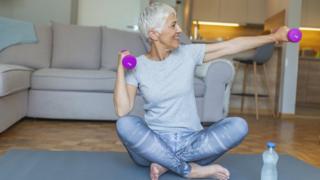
x: 75, y: 165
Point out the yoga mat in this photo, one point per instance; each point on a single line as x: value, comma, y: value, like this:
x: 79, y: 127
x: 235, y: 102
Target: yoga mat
x: 78, y: 165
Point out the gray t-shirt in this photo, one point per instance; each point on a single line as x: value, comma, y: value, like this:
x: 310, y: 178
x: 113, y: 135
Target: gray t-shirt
x: 167, y: 89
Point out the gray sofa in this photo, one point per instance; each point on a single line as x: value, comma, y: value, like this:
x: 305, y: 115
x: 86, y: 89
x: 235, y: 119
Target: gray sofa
x: 70, y: 74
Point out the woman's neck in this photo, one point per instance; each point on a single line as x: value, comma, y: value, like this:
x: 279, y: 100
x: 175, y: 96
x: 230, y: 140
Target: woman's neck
x: 158, y: 53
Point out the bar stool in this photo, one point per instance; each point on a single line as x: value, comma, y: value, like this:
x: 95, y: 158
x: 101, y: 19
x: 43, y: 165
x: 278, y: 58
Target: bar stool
x: 261, y: 56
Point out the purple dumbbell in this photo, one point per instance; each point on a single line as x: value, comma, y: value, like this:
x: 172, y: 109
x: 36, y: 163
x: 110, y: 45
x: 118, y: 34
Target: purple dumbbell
x: 294, y: 35
x: 129, y: 61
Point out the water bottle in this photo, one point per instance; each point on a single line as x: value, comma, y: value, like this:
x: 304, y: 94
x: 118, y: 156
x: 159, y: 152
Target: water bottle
x: 270, y: 159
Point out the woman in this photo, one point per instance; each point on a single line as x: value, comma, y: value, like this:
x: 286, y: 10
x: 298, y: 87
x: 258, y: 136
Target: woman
x: 170, y: 137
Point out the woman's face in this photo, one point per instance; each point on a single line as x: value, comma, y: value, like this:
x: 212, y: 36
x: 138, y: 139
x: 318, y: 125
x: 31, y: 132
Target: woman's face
x: 169, y: 35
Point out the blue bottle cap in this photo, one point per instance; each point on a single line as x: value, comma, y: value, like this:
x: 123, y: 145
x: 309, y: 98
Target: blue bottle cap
x: 271, y: 144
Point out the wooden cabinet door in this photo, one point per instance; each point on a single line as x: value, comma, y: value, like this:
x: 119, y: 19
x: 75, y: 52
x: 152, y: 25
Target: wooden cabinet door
x: 256, y: 11
x: 302, y: 81
x: 313, y: 87
x: 233, y: 11
x: 313, y: 13
x: 304, y: 13
x: 206, y: 10
x: 310, y: 13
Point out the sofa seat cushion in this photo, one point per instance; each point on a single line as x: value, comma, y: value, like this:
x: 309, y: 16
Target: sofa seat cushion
x: 13, y: 78
x: 73, y: 80
x: 86, y: 80
x: 199, y: 87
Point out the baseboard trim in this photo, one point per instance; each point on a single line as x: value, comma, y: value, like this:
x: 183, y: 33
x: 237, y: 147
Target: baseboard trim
x: 296, y: 116
x: 266, y: 112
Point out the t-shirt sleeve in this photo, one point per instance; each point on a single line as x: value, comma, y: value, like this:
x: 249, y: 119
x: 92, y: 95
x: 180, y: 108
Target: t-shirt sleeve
x: 131, y: 78
x: 196, y: 51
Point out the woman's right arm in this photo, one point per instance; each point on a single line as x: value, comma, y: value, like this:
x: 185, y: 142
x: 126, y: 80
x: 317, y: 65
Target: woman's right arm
x: 124, y: 94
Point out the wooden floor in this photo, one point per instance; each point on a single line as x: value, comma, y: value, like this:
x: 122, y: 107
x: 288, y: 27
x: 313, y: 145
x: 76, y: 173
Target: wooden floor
x: 297, y: 137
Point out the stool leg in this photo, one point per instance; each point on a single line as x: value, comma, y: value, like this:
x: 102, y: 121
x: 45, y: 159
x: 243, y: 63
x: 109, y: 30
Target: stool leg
x: 255, y: 88
x: 266, y: 78
x: 244, y: 85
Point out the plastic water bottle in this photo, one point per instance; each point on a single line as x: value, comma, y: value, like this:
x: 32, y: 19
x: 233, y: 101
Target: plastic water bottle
x: 270, y: 159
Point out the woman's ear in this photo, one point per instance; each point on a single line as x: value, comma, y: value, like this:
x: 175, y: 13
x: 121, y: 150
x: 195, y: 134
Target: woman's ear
x: 154, y: 35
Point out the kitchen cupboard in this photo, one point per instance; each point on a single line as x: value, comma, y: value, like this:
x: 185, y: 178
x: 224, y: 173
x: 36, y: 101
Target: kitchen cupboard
x: 310, y: 13
x: 233, y: 11
x: 256, y: 12
x: 206, y: 10
x: 308, y: 86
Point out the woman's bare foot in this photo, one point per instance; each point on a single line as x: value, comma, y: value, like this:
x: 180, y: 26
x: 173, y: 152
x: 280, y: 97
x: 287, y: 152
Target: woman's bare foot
x: 156, y: 170
x: 212, y: 170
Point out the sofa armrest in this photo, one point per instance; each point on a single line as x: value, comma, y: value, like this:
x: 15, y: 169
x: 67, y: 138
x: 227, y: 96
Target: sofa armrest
x: 13, y: 78
x: 218, y: 79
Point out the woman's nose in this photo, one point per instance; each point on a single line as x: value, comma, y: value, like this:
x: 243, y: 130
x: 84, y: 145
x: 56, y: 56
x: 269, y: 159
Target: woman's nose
x: 178, y: 28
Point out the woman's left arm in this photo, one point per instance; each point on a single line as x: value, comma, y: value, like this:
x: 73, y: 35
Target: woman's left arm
x: 217, y: 50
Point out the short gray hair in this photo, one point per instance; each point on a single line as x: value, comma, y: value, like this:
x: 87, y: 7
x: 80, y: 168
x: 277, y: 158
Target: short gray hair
x: 154, y: 16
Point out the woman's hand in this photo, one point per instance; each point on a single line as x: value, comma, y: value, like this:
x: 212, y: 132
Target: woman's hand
x: 121, y: 55
x: 281, y: 34
x: 123, y: 96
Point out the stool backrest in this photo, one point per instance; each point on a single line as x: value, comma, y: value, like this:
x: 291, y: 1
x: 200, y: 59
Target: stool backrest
x: 263, y: 53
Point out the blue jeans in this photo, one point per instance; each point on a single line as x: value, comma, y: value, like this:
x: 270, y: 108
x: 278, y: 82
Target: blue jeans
x: 175, y: 150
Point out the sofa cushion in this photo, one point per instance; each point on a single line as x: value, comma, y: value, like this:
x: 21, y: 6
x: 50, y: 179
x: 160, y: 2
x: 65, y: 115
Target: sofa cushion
x: 13, y: 78
x: 73, y: 80
x: 199, y: 87
x: 114, y: 40
x: 33, y: 55
x: 76, y: 47
x: 85, y: 80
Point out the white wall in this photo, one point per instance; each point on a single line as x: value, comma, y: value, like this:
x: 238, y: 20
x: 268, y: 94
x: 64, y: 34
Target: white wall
x: 37, y: 11
x: 113, y: 13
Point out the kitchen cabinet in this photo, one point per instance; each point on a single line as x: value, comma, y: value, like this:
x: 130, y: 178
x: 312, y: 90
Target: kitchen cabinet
x: 233, y: 11
x: 308, y: 86
x: 302, y: 82
x: 256, y: 11
x: 206, y: 10
x: 310, y: 13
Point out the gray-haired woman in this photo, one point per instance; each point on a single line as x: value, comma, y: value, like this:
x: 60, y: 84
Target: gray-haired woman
x: 170, y: 136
